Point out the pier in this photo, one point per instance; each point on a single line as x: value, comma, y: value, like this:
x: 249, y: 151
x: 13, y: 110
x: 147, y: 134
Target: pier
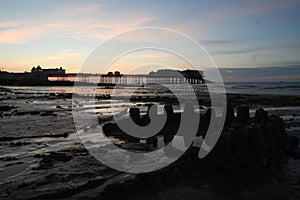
x: 58, y: 76
x: 112, y: 78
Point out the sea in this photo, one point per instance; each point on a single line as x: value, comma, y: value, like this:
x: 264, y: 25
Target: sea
x: 272, y: 88
x: 279, y: 88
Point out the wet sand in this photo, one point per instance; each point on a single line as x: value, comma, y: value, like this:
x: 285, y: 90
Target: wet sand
x: 42, y: 157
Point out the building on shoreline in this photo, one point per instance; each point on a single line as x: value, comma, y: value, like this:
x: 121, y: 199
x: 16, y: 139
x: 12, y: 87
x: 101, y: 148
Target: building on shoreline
x: 37, y: 77
x: 48, y: 72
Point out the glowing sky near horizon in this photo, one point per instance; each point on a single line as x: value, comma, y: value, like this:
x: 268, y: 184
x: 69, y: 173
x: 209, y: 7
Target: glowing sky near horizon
x: 237, y: 34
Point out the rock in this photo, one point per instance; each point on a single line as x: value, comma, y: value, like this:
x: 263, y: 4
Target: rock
x: 279, y: 132
x: 111, y: 129
x: 243, y: 115
x: 19, y: 143
x: 268, y: 136
x: 153, y: 141
x: 137, y: 118
x: 169, y: 110
x: 261, y: 116
x: 294, y: 141
x: 135, y: 114
x: 171, y: 126
x: 205, y: 121
x: 239, y: 143
x: 229, y: 115
x: 48, y: 113
x: 6, y: 108
x: 221, y: 152
x: 34, y: 112
x: 45, y: 163
x: 255, y: 140
x: 60, y: 156
x: 295, y: 153
x: 21, y: 113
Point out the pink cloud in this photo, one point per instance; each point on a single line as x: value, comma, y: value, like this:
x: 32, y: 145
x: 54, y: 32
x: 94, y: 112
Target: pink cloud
x: 8, y: 24
x: 69, y: 27
x: 16, y: 36
x: 25, y: 34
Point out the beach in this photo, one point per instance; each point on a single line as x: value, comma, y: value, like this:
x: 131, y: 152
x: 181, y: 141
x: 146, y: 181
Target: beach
x: 42, y: 156
x: 151, y: 100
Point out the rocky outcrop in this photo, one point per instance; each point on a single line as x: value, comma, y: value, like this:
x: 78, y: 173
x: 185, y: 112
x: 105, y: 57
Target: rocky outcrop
x: 245, y: 144
x: 256, y: 139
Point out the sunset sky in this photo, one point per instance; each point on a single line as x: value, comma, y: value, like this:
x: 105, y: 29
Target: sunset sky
x: 237, y: 34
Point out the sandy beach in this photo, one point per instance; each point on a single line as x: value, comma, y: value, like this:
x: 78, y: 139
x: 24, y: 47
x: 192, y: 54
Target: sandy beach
x: 42, y: 157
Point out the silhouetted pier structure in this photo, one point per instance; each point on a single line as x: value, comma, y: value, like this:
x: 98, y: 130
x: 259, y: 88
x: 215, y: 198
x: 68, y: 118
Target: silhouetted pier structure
x: 159, y: 77
x: 58, y: 76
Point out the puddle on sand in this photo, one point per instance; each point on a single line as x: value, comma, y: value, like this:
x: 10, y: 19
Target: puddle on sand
x: 15, y: 167
x: 23, y: 156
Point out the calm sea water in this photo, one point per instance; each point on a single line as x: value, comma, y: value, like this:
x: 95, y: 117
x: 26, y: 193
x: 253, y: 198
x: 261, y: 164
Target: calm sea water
x: 283, y: 88
x: 286, y: 88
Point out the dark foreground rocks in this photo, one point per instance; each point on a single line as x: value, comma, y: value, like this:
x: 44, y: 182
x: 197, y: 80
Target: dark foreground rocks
x: 246, y: 146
